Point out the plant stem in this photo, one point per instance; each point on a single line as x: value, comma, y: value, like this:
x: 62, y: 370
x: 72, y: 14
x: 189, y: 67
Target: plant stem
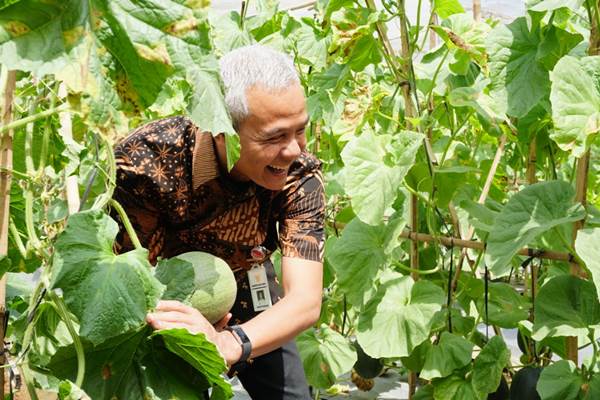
x: 127, y: 224
x: 436, y: 73
x: 30, y: 167
x: 32, y: 237
x: 62, y: 311
x: 17, y: 238
x: 32, y: 118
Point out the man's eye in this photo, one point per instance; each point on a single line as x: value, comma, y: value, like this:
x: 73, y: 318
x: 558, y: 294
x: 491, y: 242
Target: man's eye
x: 275, y: 139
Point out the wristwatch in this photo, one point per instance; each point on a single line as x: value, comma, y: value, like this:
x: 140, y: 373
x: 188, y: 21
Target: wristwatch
x: 242, y: 338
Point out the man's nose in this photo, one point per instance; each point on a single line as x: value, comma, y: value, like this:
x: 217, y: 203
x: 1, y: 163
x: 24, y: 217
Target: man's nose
x: 292, y: 150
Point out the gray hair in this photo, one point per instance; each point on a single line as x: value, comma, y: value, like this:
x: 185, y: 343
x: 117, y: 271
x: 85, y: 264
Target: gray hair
x: 249, y: 66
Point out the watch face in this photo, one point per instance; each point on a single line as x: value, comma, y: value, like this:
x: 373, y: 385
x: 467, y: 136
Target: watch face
x: 258, y: 253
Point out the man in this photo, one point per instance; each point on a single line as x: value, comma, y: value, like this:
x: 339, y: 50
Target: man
x: 174, y: 185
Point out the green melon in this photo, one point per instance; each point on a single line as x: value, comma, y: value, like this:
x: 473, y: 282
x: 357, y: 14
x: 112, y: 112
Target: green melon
x: 367, y: 366
x: 215, y: 285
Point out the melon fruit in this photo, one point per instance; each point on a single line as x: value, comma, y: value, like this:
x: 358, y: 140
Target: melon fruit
x: 215, y: 285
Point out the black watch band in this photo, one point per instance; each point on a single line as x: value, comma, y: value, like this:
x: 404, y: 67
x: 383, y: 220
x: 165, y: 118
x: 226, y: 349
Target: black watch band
x: 243, y: 340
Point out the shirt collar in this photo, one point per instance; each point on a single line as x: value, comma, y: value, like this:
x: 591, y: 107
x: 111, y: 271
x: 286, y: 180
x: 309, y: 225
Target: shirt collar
x: 204, y: 160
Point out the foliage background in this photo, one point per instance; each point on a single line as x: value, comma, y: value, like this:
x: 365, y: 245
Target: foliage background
x: 408, y: 137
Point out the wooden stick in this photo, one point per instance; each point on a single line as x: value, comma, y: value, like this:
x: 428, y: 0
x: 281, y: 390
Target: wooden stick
x: 477, y: 10
x: 583, y: 165
x: 472, y: 244
x: 482, y: 197
x: 8, y: 87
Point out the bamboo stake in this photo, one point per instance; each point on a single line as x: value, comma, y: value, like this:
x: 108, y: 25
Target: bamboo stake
x: 477, y: 10
x: 66, y: 131
x: 473, y: 244
x: 583, y: 165
x: 8, y: 87
x: 531, y: 179
x: 482, y: 197
x: 410, y: 112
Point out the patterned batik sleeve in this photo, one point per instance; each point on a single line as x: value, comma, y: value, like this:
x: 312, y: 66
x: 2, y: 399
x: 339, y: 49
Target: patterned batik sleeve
x: 301, y: 233
x: 137, y: 194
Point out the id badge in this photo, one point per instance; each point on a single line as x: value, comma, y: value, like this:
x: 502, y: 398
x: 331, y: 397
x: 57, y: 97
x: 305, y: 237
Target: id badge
x: 259, y: 287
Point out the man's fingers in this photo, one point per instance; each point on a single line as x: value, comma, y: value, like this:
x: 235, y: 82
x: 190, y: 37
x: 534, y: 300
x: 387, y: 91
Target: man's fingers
x: 173, y: 305
x: 170, y: 316
x: 219, y: 325
x: 160, y: 325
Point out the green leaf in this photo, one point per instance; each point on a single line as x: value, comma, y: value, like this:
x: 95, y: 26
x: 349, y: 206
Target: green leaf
x: 445, y: 8
x: 67, y: 390
x: 559, y: 381
x: 452, y: 352
x: 360, y: 253
x: 110, y: 294
x: 227, y: 33
x: 529, y: 213
x: 178, y: 277
x: 202, y: 354
x: 519, y: 81
x: 593, y: 390
x: 566, y: 306
x: 555, y: 44
x: 453, y: 387
x: 325, y: 355
x: 506, y: 307
x: 399, y: 316
x: 575, y: 101
x: 551, y: 5
x: 586, y: 246
x: 42, y: 36
x: 375, y: 168
x: 488, y: 366
x: 131, y: 367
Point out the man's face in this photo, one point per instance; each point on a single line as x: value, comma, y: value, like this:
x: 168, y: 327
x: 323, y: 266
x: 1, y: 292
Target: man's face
x: 272, y: 136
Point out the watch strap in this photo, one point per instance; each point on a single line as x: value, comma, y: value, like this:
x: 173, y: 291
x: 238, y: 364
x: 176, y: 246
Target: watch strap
x: 242, y: 339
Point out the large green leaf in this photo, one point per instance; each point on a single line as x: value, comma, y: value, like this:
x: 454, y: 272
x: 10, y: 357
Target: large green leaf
x: 399, y: 316
x: 559, y: 381
x: 132, y: 367
x: 445, y: 8
x: 551, y: 5
x: 43, y: 36
x: 588, y: 249
x: 556, y: 43
x: 529, y: 213
x: 519, y: 81
x: 353, y: 42
x: 142, y: 43
x: 452, y: 352
x: 575, y: 98
x: 454, y: 387
x: 201, y: 354
x: 325, y: 355
x: 566, y: 306
x: 375, y: 168
x: 506, y: 307
x: 488, y: 366
x: 110, y: 294
x: 360, y: 253
x: 178, y: 277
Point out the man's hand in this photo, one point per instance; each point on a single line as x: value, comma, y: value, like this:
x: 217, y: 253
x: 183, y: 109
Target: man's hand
x: 171, y: 314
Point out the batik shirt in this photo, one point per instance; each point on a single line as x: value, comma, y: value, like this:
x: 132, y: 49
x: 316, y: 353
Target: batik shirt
x: 179, y: 200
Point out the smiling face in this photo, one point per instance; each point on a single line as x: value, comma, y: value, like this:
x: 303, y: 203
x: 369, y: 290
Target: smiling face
x: 272, y: 136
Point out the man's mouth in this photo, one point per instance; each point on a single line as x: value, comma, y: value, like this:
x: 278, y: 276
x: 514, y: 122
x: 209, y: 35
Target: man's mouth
x: 277, y: 170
